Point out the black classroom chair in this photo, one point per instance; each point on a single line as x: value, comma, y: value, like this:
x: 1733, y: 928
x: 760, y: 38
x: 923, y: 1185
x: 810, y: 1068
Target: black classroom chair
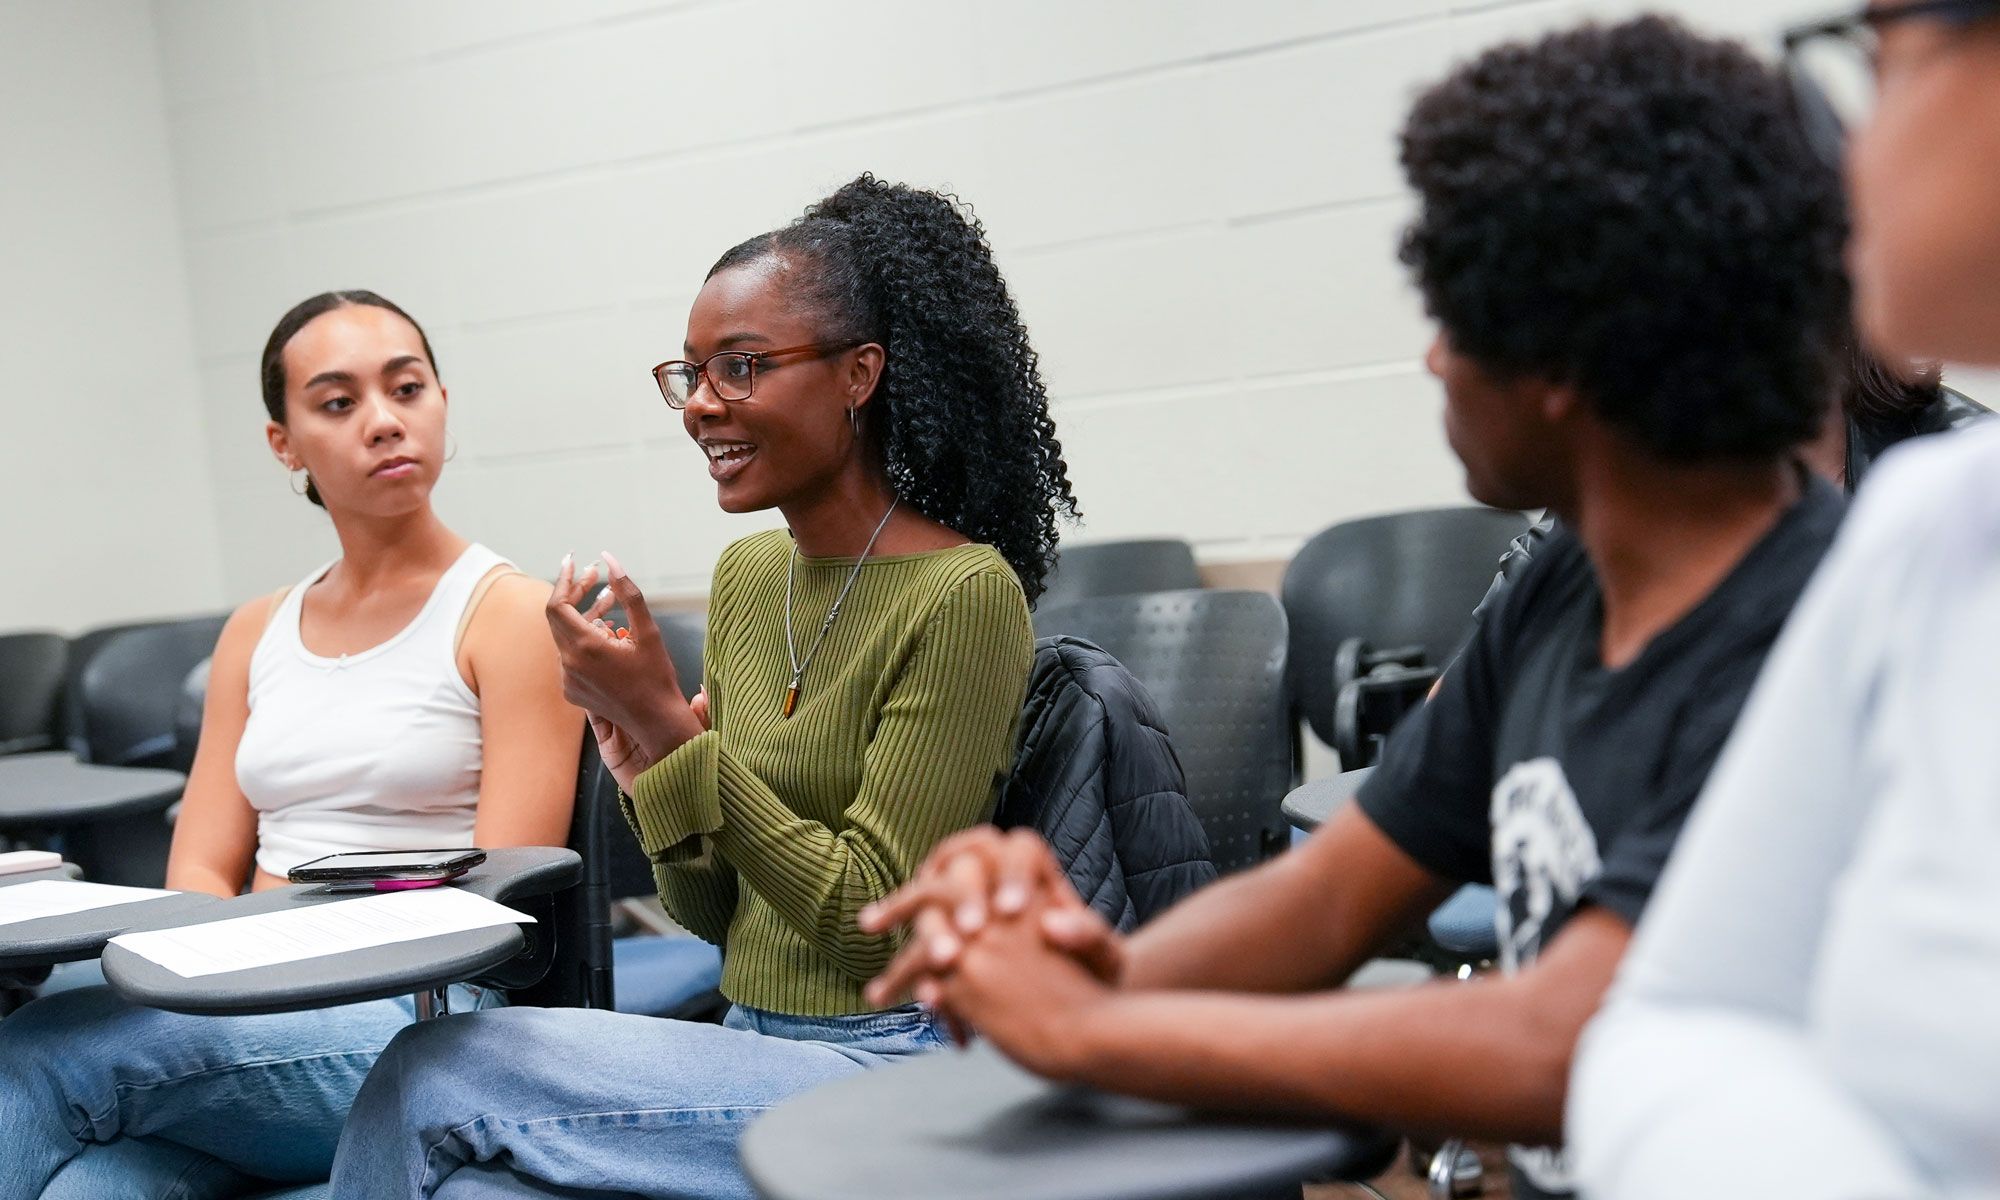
x: 662, y: 971
x: 31, y: 681
x: 123, y: 705
x: 684, y: 633
x: 1391, y: 595
x: 128, y: 688
x: 1214, y: 662
x: 187, y: 716
x: 1120, y: 569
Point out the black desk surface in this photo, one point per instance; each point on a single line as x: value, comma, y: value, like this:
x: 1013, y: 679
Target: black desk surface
x: 46, y: 941
x: 400, y: 969
x: 1309, y: 805
x: 972, y: 1126
x: 51, y: 789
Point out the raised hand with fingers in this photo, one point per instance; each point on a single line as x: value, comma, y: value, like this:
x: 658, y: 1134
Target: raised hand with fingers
x: 621, y: 677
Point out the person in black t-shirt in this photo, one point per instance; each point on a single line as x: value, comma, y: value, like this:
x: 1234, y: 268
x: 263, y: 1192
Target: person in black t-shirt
x: 1634, y: 259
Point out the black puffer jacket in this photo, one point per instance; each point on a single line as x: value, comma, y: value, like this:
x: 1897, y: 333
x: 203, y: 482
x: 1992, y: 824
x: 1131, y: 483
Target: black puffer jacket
x: 1095, y: 774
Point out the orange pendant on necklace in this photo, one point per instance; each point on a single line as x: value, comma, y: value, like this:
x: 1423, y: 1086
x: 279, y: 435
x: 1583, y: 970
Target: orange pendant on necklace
x: 791, y: 698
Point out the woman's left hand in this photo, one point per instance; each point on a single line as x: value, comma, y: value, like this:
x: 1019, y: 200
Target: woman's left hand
x: 622, y: 678
x: 619, y: 753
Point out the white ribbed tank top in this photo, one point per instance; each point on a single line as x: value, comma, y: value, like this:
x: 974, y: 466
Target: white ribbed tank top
x: 377, y: 750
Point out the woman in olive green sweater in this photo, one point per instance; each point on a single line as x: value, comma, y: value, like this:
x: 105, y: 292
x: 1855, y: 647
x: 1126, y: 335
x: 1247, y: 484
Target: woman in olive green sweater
x: 864, y: 372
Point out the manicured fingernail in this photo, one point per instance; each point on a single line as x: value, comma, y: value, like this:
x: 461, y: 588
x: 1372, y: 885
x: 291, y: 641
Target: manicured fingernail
x: 1011, y: 898
x: 971, y: 915
x: 617, y: 572
x: 943, y: 947
x: 567, y: 560
x: 927, y: 994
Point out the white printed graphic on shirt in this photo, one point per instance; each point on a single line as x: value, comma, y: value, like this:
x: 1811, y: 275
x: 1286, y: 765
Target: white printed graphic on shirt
x: 1543, y: 856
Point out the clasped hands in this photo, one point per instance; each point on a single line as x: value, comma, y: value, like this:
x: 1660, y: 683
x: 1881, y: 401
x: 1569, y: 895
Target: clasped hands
x: 1000, y: 944
x: 621, y: 678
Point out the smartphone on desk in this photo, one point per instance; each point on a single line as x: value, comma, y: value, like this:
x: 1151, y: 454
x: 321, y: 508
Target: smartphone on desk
x: 388, y: 870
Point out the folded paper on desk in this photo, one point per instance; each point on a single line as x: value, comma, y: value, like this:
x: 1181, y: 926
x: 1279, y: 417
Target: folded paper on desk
x: 15, y: 862
x: 59, y: 897
x: 267, y: 939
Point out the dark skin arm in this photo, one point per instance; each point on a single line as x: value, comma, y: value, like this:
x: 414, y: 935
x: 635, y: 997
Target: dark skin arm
x: 1184, y: 1011
x: 1487, y: 1059
x: 1339, y: 898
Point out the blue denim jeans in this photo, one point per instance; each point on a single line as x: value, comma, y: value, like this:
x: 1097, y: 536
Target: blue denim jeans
x: 101, y: 1099
x: 581, y: 1103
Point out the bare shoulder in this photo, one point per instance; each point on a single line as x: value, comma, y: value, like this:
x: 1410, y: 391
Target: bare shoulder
x: 510, y: 620
x: 513, y: 597
x: 247, y: 624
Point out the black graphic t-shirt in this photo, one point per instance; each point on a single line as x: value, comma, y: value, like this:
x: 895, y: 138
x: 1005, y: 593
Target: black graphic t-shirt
x: 1563, y: 783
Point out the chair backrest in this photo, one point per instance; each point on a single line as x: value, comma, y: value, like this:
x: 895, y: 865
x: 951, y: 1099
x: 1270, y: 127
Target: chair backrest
x: 1402, y: 579
x: 129, y: 688
x: 31, y: 680
x: 1120, y: 569
x: 627, y: 870
x: 684, y: 633
x: 579, y: 918
x: 131, y: 691
x: 628, y: 873
x: 187, y: 716
x: 83, y: 648
x: 1096, y: 776
x: 1214, y: 662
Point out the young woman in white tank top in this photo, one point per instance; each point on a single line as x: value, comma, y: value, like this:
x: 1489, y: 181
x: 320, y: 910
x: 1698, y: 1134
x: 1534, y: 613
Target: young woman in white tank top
x: 405, y: 695
x: 378, y: 750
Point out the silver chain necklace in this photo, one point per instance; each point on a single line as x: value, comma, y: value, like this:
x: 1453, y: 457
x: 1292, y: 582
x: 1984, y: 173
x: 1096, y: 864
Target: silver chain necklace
x: 799, y: 665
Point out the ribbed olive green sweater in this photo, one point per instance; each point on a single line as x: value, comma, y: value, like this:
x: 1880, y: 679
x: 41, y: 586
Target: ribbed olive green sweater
x: 769, y: 834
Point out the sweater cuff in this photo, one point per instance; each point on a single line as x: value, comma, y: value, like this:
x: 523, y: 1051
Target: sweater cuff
x: 676, y: 801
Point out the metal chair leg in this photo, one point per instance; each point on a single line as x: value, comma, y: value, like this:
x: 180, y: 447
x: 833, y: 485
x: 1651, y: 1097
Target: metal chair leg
x: 433, y: 1002
x: 1456, y: 1172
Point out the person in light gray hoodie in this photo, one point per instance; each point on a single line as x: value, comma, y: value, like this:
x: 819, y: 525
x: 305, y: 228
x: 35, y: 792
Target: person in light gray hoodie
x: 1807, y: 1009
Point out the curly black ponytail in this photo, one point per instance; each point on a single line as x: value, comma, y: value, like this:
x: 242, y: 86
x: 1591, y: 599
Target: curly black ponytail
x: 960, y: 413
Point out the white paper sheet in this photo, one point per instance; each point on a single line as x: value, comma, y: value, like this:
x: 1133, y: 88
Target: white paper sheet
x: 59, y: 897
x: 15, y: 862
x: 266, y: 939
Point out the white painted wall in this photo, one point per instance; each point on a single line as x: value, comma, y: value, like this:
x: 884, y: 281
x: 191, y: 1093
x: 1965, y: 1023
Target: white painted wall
x: 104, y: 478
x: 1196, y: 202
